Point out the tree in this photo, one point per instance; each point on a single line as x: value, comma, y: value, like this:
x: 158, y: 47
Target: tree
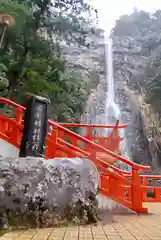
x: 3, y: 80
x: 68, y: 20
x: 31, y: 53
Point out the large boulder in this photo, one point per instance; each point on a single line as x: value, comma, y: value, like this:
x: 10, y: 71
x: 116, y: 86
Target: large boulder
x: 38, y: 192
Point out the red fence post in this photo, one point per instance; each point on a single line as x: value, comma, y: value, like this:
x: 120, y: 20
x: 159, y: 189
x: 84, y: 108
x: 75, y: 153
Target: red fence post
x: 137, y: 198
x: 51, y: 143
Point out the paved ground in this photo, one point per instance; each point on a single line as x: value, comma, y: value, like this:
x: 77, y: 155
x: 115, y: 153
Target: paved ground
x: 114, y: 227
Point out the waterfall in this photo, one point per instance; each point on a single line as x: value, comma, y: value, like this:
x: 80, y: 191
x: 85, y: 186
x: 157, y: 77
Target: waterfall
x: 111, y: 114
x: 112, y: 111
x: 109, y: 68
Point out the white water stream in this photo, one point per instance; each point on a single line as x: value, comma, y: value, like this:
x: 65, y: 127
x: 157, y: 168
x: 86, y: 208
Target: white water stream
x: 112, y: 111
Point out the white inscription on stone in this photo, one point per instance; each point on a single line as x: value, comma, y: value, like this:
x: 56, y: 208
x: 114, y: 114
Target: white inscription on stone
x: 37, y: 127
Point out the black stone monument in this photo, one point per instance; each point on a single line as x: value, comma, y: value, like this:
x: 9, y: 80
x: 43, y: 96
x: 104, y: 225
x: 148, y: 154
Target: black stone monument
x: 35, y: 127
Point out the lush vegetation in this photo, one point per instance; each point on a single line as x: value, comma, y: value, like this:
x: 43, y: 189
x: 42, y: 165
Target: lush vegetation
x: 31, y: 58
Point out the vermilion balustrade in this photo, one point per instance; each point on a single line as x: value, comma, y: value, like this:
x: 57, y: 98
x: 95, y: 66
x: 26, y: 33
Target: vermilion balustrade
x: 128, y: 189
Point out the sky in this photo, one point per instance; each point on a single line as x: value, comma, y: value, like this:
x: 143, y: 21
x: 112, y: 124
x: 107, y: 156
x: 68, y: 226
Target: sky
x: 110, y: 10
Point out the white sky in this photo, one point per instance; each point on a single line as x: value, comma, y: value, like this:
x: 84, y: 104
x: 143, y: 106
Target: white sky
x: 110, y: 10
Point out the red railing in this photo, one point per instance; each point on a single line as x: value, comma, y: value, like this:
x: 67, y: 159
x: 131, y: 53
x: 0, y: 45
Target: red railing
x: 111, y: 141
x: 11, y: 128
x: 125, y: 188
x: 113, y: 184
x: 75, y: 137
x: 151, y: 193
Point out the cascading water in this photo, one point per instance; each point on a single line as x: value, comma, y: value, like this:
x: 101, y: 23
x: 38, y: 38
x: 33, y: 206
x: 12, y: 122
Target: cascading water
x: 109, y: 69
x: 112, y: 111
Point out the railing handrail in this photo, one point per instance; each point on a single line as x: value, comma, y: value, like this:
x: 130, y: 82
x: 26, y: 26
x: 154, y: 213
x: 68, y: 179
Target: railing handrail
x: 151, y: 176
x: 135, y: 165
x: 13, y: 104
x: 92, y: 125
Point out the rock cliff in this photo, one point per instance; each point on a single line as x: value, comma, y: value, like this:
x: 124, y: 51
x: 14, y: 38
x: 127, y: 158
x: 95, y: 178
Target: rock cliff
x: 131, y: 55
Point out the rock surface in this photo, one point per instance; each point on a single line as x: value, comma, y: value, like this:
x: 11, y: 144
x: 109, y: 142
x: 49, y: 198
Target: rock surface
x: 130, y: 58
x: 36, y: 192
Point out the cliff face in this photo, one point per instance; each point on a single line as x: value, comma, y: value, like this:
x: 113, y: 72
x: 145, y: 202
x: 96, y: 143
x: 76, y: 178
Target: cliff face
x: 131, y: 56
x: 143, y: 136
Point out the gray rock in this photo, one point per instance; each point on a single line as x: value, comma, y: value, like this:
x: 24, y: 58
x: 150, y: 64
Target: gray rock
x: 44, y: 193
x: 130, y: 59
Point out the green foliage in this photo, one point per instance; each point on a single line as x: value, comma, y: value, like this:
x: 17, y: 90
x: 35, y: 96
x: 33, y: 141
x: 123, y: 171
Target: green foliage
x: 3, y: 80
x: 31, y: 60
x: 136, y: 24
x: 74, y: 103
